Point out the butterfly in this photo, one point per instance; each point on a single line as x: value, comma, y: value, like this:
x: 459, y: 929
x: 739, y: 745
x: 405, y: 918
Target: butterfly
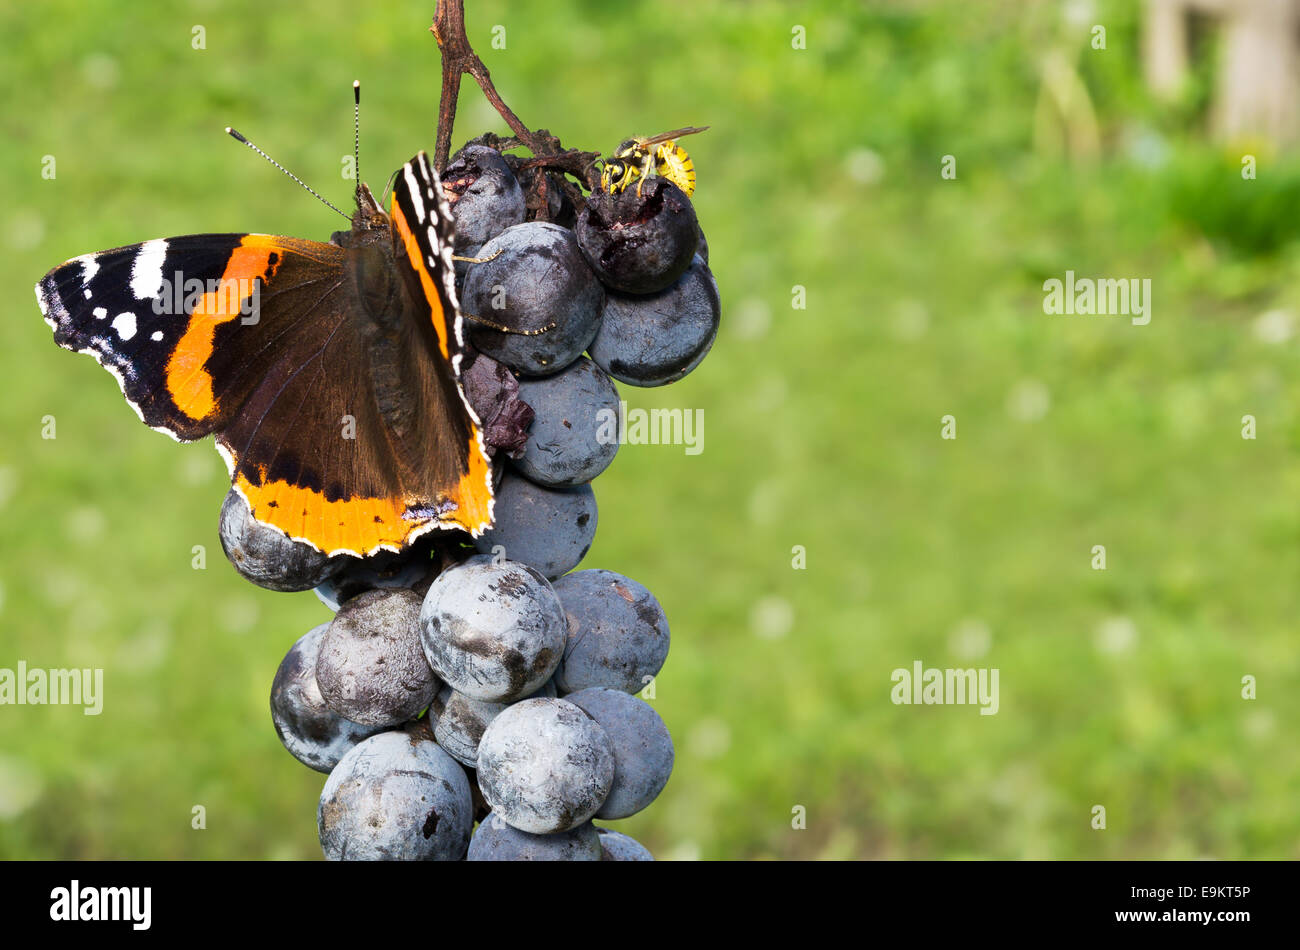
x: 328, y: 373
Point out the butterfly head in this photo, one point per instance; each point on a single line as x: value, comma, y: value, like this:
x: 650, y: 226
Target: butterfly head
x: 368, y: 216
x: 369, y: 222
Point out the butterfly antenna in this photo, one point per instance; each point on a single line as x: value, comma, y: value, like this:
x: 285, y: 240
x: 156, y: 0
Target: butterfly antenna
x: 383, y: 201
x: 239, y: 138
x: 356, y: 125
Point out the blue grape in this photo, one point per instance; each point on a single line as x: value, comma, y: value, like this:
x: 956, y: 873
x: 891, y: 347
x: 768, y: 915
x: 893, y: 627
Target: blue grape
x: 395, y: 797
x: 497, y: 841
x: 266, y: 556
x: 493, y: 631
x: 545, y: 766
x: 313, y: 733
x: 537, y: 277
x: 572, y: 439
x: 413, y: 569
x: 485, y: 197
x: 549, y: 528
x: 459, y: 722
x: 617, y: 632
x: 619, y: 847
x: 657, y: 339
x: 372, y: 667
x: 643, y: 750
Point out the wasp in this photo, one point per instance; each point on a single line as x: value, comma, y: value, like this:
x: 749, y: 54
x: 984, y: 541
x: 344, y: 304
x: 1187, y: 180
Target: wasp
x: 637, y: 158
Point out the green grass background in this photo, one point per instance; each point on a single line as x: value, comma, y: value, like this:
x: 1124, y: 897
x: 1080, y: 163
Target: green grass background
x: 821, y: 169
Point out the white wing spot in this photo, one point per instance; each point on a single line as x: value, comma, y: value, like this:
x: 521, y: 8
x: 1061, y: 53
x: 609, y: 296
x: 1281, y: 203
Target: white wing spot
x: 146, y: 270
x: 100, y: 313
x: 89, y: 267
x: 86, y: 292
x: 156, y: 336
x: 414, y: 190
x: 124, y: 324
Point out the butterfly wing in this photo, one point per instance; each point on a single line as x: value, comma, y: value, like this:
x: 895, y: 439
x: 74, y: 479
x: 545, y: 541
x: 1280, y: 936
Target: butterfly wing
x: 446, y: 448
x: 261, y: 341
x: 304, y: 438
x: 152, y: 313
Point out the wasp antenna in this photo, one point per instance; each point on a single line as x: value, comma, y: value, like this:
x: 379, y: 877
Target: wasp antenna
x: 356, y: 126
x: 239, y: 138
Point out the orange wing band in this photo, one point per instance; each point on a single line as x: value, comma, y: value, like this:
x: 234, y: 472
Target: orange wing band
x: 188, y: 381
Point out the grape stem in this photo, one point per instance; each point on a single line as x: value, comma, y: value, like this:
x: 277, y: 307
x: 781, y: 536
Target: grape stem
x: 459, y: 58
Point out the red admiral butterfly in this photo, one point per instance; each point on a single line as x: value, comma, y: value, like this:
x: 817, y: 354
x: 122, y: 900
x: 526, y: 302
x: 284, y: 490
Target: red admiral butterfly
x: 328, y: 373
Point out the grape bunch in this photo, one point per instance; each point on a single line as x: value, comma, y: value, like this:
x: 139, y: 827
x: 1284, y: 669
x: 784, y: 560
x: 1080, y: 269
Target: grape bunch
x: 485, y: 681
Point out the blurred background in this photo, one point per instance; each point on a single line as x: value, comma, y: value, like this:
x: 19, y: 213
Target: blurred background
x: 1120, y: 153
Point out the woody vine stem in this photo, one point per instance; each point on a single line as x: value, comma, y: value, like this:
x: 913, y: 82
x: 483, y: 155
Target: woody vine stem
x: 459, y: 58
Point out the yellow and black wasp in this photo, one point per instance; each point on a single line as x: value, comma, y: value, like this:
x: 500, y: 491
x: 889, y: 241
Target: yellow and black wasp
x: 637, y: 158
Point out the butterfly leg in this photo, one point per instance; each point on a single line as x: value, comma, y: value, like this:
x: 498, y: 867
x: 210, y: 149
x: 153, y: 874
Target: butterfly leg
x: 496, y: 326
x: 476, y: 260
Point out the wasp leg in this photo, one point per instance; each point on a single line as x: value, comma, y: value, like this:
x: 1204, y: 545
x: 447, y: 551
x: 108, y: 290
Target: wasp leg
x: 646, y: 167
